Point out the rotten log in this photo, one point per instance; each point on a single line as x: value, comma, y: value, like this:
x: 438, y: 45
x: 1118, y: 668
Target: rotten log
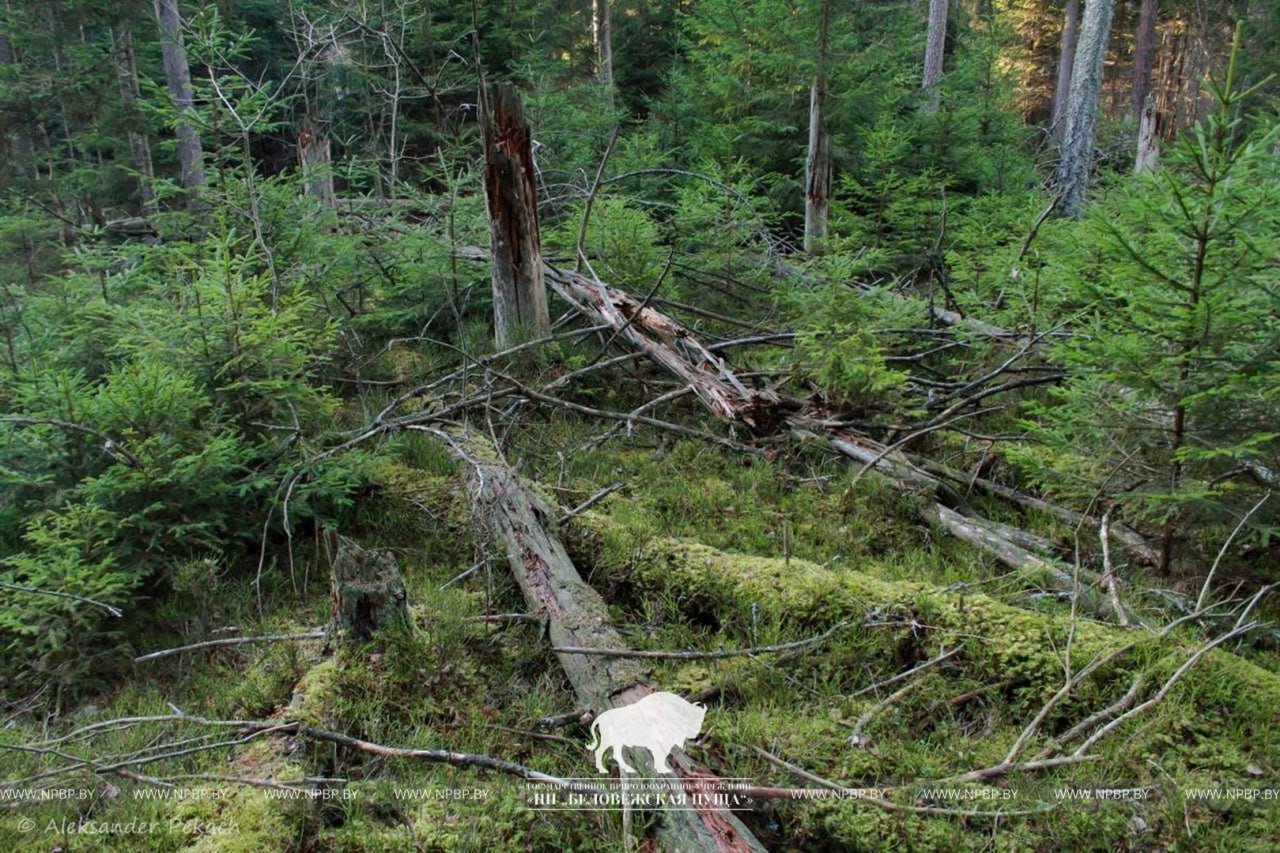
x: 519, y: 293
x: 525, y: 525
x: 672, y: 346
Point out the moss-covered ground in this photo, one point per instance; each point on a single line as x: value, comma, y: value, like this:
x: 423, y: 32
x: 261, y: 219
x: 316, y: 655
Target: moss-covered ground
x: 698, y: 548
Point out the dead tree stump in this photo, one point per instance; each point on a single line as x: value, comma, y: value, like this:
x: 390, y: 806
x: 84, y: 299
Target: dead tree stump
x: 519, y: 292
x: 367, y: 591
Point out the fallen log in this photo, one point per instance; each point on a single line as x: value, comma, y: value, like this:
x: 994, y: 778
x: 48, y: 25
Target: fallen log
x: 525, y: 525
x: 676, y: 349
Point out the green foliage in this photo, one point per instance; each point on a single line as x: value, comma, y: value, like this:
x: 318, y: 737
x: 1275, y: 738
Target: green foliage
x: 1171, y: 408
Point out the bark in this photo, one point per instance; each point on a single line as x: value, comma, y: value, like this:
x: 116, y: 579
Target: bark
x: 1148, y: 153
x: 177, y: 75
x: 525, y: 527
x: 366, y: 590
x: 818, y: 162
x: 1144, y: 54
x: 519, y: 292
x: 1082, y: 107
x: 314, y: 159
x: 1066, y: 58
x: 139, y: 145
x: 933, y: 52
x: 602, y: 36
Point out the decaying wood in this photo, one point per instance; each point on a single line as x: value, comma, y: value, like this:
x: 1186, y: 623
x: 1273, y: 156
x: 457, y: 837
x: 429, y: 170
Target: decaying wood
x: 367, y: 591
x: 524, y: 525
x: 672, y: 346
x: 519, y: 294
x: 677, y: 350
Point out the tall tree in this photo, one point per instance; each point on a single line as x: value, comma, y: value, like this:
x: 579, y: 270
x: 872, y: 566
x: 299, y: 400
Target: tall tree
x: 177, y: 75
x: 601, y: 34
x: 1144, y: 53
x: 1081, y: 117
x: 1066, y: 58
x: 515, y: 247
x: 818, y: 163
x: 933, y: 51
x: 139, y: 145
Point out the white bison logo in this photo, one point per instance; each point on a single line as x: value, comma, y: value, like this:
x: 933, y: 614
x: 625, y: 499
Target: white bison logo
x: 659, y: 722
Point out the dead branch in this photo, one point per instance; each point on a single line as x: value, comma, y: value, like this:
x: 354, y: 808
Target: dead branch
x: 232, y: 641
x: 35, y: 590
x: 110, y: 446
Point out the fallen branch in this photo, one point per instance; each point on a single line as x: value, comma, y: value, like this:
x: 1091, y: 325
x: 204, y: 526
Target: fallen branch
x: 232, y: 641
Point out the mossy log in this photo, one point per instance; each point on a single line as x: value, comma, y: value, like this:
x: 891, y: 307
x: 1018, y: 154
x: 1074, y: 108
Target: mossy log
x: 367, y: 591
x: 1001, y: 640
x: 523, y: 523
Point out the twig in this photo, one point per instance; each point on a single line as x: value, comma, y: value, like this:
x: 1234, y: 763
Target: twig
x: 114, y: 611
x: 887, y: 804
x: 910, y: 672
x: 231, y: 641
x: 109, y: 445
x: 468, y: 573
x: 597, y: 497
x: 857, y: 738
x: 591, y: 197
x: 1204, y: 589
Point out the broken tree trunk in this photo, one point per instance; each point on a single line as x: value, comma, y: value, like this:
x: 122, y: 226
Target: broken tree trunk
x: 526, y: 527
x: 515, y: 248
x: 366, y: 589
x: 677, y: 350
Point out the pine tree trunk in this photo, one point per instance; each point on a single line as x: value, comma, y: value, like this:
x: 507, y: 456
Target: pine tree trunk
x: 1144, y: 54
x: 1066, y: 58
x: 602, y: 35
x: 1082, y: 107
x: 315, y: 160
x: 177, y: 75
x: 933, y: 52
x: 139, y: 144
x: 519, y: 291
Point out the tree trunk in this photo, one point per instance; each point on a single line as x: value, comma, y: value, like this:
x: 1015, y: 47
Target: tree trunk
x: 1082, y: 107
x: 139, y: 144
x: 177, y: 75
x: 314, y: 159
x: 1066, y: 59
x: 524, y: 526
x: 519, y: 292
x: 1148, y: 139
x: 933, y: 51
x: 1144, y: 54
x: 602, y: 35
x: 817, y: 174
x: 818, y: 162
